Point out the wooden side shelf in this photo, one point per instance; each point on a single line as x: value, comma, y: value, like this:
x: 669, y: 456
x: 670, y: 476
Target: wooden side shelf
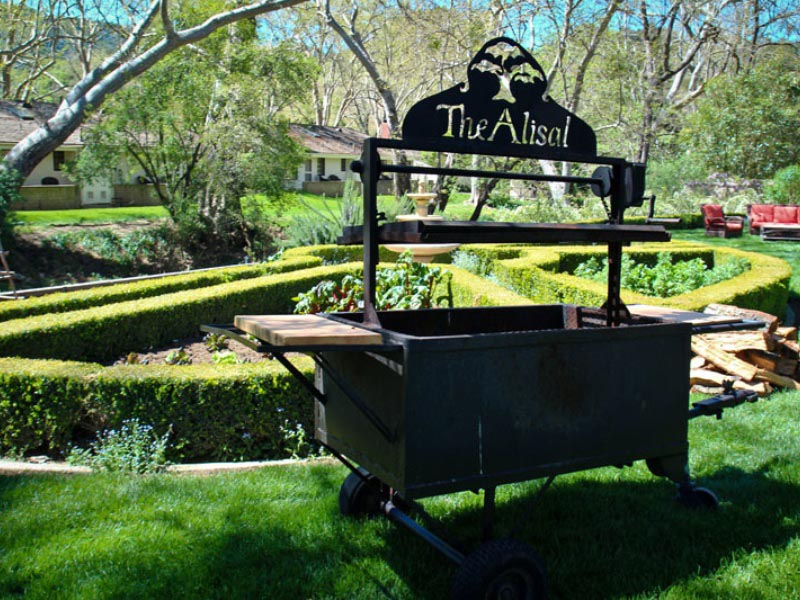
x: 305, y: 330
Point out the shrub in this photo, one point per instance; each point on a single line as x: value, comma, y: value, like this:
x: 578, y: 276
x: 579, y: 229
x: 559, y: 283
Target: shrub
x: 121, y: 292
x: 133, y: 448
x: 216, y: 412
x: 666, y: 278
x: 785, y: 186
x: 101, y: 334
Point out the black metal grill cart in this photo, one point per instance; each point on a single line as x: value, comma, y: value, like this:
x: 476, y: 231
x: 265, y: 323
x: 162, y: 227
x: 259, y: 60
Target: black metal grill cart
x: 430, y: 402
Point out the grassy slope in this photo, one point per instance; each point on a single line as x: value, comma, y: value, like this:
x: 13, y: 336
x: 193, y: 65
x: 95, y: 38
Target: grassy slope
x: 80, y: 216
x: 276, y: 533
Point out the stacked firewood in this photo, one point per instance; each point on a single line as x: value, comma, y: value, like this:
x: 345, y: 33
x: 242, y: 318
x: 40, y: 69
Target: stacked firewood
x: 758, y: 360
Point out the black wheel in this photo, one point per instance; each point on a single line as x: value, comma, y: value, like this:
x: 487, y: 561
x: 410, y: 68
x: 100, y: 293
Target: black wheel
x: 501, y: 569
x: 360, y: 496
x: 698, y: 497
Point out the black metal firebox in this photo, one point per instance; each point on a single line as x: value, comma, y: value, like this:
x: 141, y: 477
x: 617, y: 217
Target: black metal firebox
x: 436, y: 401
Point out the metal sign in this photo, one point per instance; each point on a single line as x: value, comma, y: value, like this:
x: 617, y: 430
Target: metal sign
x: 504, y: 101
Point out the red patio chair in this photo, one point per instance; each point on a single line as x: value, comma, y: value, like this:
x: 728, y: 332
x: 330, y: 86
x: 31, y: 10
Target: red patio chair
x: 718, y: 224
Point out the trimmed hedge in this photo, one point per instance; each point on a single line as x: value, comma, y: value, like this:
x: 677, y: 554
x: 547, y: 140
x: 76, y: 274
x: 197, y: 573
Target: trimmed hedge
x: 236, y: 411
x: 105, y: 333
x: 99, y: 296
x: 222, y: 412
x: 541, y: 273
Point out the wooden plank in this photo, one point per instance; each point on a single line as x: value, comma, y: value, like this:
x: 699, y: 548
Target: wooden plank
x: 770, y: 361
x: 697, y: 362
x: 305, y: 330
x: 723, y: 360
x: 678, y: 316
x: 708, y: 377
x: 778, y: 380
x: 739, y: 341
x: 788, y: 333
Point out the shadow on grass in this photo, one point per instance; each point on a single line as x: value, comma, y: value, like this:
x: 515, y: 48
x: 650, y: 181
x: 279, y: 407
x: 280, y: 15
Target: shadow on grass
x: 615, y: 539
x: 601, y: 538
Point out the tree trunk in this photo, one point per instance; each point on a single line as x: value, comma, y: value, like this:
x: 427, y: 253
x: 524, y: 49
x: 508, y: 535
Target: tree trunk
x: 94, y: 88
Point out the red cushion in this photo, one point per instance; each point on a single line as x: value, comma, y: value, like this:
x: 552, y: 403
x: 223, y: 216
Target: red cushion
x: 713, y: 211
x: 762, y: 213
x: 786, y: 214
x: 733, y: 226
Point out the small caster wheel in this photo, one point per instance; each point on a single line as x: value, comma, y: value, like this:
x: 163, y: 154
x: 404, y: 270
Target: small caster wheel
x: 697, y: 497
x: 501, y: 569
x: 359, y: 497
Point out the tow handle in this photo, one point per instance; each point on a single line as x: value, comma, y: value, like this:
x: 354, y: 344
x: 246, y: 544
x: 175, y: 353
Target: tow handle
x: 715, y: 405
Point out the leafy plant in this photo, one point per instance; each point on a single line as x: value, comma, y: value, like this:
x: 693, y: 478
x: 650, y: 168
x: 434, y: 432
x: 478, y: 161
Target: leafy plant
x: 665, y: 278
x: 132, y: 358
x: 216, y: 342
x: 224, y: 357
x: 133, y: 448
x: 178, y: 357
x: 408, y: 285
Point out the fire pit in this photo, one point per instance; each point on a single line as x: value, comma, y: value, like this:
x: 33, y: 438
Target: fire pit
x: 427, y: 402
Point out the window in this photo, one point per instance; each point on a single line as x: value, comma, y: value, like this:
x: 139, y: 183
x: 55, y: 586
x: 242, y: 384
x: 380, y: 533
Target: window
x: 308, y: 169
x: 343, y: 167
x: 58, y: 160
x: 321, y: 167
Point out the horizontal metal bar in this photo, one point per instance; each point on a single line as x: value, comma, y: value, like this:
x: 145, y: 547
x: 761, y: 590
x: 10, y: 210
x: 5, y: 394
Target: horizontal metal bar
x: 235, y: 334
x: 487, y: 174
x: 470, y: 232
x: 454, y: 146
x: 399, y: 517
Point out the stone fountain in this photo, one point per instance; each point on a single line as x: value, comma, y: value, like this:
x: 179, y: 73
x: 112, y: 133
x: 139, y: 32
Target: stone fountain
x: 422, y: 253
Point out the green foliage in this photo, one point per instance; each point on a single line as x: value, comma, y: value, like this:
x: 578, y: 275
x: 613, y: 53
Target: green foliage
x: 178, y: 357
x: 10, y: 181
x: 666, y: 278
x: 216, y: 342
x: 746, y: 125
x: 668, y: 175
x: 40, y: 403
x: 215, y: 412
x: 106, y: 332
x: 324, y: 224
x: 408, y: 285
x: 224, y: 357
x: 785, y: 186
x: 133, y: 448
x: 131, y: 250
x: 122, y: 292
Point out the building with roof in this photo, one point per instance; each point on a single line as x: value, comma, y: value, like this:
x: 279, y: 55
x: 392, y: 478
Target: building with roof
x: 329, y: 152
x: 49, y: 186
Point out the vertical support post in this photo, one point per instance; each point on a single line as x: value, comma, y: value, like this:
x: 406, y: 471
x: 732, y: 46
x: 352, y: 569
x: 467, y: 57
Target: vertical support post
x: 614, y: 306
x: 488, y: 513
x: 369, y: 178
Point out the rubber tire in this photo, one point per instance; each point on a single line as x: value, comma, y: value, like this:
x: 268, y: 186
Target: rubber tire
x: 359, y: 498
x: 699, y: 497
x: 501, y: 569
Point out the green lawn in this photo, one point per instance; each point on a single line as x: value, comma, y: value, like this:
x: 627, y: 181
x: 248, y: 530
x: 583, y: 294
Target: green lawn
x: 276, y: 533
x: 79, y: 216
